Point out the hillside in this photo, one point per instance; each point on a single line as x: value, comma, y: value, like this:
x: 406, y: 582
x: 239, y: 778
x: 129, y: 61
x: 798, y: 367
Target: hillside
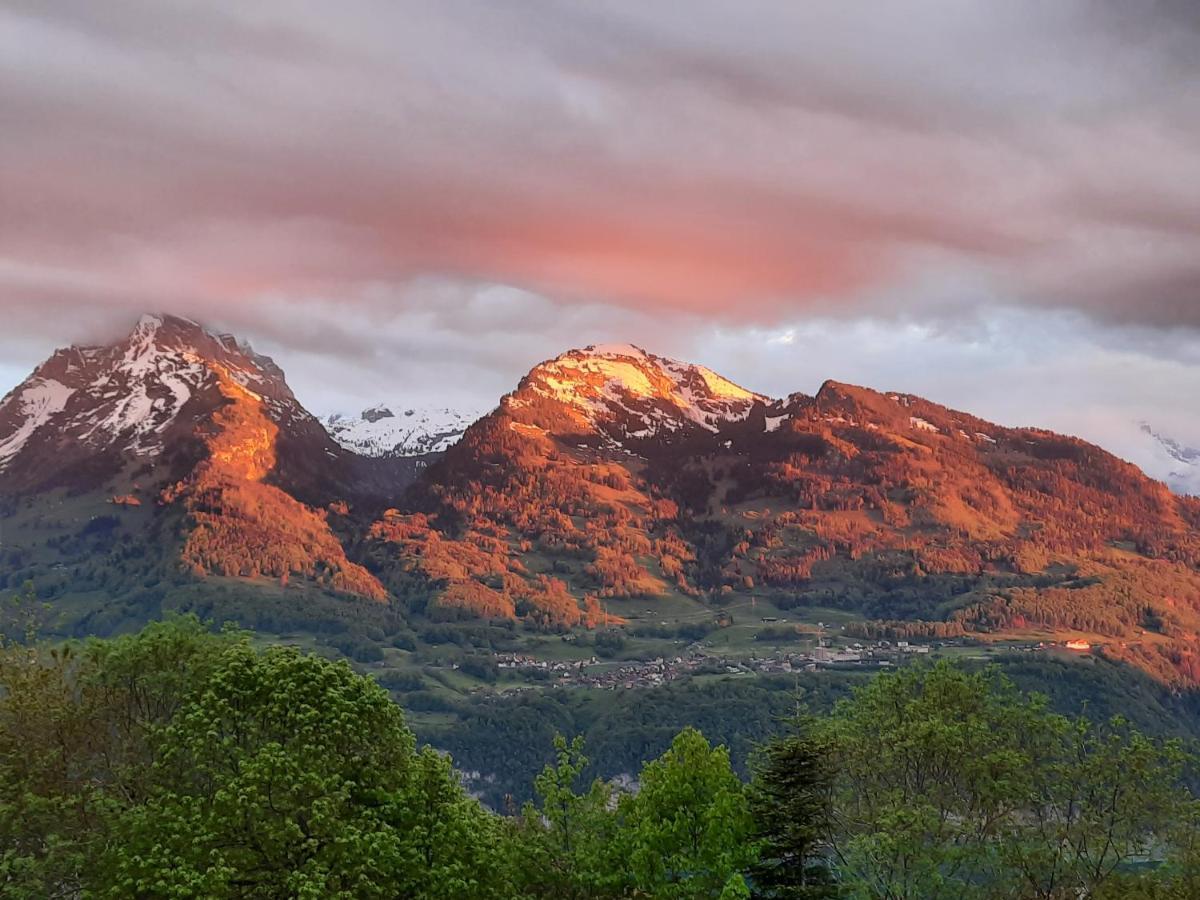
x: 169, y: 456
x: 612, y: 478
x: 611, y: 489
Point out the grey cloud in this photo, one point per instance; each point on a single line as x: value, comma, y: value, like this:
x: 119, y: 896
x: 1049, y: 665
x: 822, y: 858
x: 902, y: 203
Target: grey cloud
x: 780, y: 152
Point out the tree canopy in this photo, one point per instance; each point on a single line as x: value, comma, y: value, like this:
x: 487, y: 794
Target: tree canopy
x: 185, y: 762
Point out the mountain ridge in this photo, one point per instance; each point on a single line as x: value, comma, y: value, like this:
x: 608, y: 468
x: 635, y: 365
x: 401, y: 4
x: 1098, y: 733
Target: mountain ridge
x: 886, y: 503
x: 608, y: 479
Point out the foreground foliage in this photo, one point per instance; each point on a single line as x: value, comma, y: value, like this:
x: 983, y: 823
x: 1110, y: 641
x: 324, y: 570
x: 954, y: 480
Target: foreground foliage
x: 951, y: 785
x: 179, y: 762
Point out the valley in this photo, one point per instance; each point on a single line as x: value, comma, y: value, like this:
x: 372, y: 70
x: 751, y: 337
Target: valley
x: 624, y: 548
x: 618, y: 522
x: 600, y: 451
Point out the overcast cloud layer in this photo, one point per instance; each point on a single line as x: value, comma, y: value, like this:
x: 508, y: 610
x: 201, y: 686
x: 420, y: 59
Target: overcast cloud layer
x: 993, y: 204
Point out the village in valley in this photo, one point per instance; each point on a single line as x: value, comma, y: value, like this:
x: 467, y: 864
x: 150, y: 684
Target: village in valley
x: 697, y: 659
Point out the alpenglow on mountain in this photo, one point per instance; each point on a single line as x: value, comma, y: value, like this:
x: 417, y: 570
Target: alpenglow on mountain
x: 175, y: 469
x: 135, y: 399
x: 611, y: 477
x: 176, y: 454
x: 625, y: 393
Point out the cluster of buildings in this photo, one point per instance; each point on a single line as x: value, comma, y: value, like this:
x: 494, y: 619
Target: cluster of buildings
x: 651, y: 673
x: 596, y: 673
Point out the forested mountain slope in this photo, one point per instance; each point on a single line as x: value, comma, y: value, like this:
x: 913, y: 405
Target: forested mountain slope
x: 611, y: 476
x: 175, y: 453
x: 609, y: 482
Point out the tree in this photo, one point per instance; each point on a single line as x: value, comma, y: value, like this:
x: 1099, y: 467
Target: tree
x: 182, y: 762
x: 289, y: 775
x: 1108, y: 796
x: 686, y: 832
x: 23, y: 618
x: 790, y: 804
x: 952, y: 784
x: 454, y: 848
x: 931, y: 764
x: 74, y: 726
x: 566, y: 841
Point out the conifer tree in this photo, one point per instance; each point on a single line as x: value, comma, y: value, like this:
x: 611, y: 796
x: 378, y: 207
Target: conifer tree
x: 790, y: 801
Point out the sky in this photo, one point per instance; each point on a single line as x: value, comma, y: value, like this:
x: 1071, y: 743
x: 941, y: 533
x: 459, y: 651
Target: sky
x: 994, y: 205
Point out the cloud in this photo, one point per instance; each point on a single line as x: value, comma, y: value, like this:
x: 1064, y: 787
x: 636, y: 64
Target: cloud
x: 764, y: 156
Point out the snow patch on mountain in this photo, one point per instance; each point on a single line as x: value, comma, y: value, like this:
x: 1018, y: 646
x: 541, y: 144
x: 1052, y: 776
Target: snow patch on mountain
x: 159, y: 382
x: 622, y: 384
x: 400, y: 431
x: 38, y: 400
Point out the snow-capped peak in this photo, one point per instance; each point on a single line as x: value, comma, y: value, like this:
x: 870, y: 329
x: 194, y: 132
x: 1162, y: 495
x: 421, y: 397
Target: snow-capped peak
x: 715, y: 386
x: 400, y: 431
x: 623, y: 391
x: 126, y: 395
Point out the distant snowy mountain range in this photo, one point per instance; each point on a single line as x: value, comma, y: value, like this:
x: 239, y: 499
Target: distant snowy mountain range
x: 1169, y: 460
x: 400, y: 431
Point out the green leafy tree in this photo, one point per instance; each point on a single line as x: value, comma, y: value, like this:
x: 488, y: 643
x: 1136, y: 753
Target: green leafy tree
x: 23, y: 618
x: 50, y: 816
x: 1177, y: 878
x: 453, y: 849
x: 1109, y: 796
x: 687, y: 831
x: 289, y: 775
x: 931, y: 766
x: 952, y: 784
x: 790, y: 800
x: 567, y: 838
x: 74, y: 728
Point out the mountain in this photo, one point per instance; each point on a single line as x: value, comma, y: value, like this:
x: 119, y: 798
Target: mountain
x: 409, y: 432
x: 1170, y: 460
x: 627, y: 396
x: 87, y: 410
x: 612, y: 478
x: 87, y: 413
x: 176, y: 465
x: 182, y: 445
